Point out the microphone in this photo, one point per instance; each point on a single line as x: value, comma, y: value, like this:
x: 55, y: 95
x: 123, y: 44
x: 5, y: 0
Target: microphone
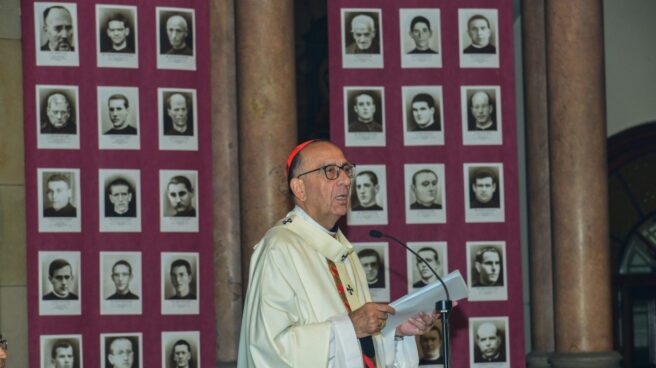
x: 379, y: 234
x: 444, y: 306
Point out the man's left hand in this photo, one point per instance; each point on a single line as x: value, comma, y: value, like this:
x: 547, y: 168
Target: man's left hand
x: 418, y: 324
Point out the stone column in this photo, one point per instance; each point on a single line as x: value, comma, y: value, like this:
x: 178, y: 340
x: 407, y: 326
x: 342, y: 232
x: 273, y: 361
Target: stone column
x: 225, y: 182
x: 537, y: 168
x: 267, y: 113
x: 575, y: 69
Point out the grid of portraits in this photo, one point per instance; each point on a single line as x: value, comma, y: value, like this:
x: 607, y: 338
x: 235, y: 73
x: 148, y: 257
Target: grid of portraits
x: 422, y: 101
x: 117, y: 165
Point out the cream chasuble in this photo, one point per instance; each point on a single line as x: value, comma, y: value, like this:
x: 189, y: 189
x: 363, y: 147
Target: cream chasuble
x: 292, y: 297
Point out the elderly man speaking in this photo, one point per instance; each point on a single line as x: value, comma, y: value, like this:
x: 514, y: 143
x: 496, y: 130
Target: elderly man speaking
x: 308, y: 304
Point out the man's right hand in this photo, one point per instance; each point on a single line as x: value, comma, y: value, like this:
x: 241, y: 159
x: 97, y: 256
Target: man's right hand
x: 370, y: 318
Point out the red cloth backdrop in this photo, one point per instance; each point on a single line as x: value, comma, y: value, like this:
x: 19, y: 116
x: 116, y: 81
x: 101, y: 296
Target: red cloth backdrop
x: 388, y: 148
x: 156, y: 241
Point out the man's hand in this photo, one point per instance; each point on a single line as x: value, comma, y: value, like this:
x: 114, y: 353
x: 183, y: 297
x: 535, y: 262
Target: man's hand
x: 370, y: 318
x: 418, y: 324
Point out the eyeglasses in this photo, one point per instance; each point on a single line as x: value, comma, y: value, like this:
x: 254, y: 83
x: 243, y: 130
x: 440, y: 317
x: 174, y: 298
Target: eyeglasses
x: 332, y: 171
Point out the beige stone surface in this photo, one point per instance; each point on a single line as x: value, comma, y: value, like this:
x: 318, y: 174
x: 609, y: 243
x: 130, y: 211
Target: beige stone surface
x: 11, y: 119
x: 12, y: 236
x: 13, y: 323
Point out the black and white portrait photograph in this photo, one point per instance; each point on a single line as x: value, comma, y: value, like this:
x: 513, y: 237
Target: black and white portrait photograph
x: 57, y: 117
x: 181, y: 349
x: 484, y: 192
x: 119, y: 195
x: 55, y: 32
x: 430, y: 347
x: 435, y: 254
x: 374, y: 258
x: 420, y: 38
x: 423, y: 116
x: 368, y: 196
x: 481, y: 115
x: 479, y: 40
x: 364, y: 116
x: 59, y: 200
x: 60, y: 283
x: 179, y: 198
x: 176, y: 46
x: 178, y: 126
x: 120, y: 283
x: 117, y: 36
x: 121, y: 350
x: 180, y: 284
x: 61, y: 351
x: 425, y: 194
x: 362, y: 38
x: 487, y: 274
x: 489, y: 344
x: 118, y: 118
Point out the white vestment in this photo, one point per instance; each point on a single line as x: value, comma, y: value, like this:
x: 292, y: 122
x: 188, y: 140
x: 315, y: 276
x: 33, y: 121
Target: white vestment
x: 294, y: 316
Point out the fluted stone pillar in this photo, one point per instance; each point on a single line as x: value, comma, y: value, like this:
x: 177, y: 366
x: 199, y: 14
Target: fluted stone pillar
x: 267, y: 113
x: 225, y: 181
x: 537, y: 169
x: 575, y: 69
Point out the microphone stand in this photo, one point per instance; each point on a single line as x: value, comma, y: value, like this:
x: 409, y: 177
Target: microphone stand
x: 443, y: 306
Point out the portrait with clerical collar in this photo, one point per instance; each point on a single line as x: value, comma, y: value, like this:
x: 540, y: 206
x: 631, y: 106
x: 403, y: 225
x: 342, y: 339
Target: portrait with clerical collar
x: 489, y: 344
x: 60, y: 283
x: 423, y: 115
x: 117, y: 36
x: 481, y: 115
x: 177, y: 119
x: 479, y: 40
x: 364, y: 116
x: 420, y: 38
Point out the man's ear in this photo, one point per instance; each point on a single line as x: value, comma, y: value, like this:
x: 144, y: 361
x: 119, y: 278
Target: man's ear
x: 477, y: 265
x: 298, y: 188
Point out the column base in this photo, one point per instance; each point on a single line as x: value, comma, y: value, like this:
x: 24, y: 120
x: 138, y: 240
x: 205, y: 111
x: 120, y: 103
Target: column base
x: 538, y: 360
x: 606, y: 359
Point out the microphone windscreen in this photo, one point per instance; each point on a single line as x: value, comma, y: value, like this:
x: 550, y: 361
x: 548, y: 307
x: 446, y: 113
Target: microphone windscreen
x: 375, y: 234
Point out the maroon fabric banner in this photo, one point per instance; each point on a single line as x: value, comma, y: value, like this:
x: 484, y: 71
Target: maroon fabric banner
x: 118, y: 186
x: 423, y: 100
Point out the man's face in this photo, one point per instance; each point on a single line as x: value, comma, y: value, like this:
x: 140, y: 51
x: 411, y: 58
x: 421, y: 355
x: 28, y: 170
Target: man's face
x: 121, y: 276
x: 366, y: 190
x: 422, y: 113
x: 421, y: 34
x: 176, y: 29
x: 490, y: 268
x: 59, y: 30
x: 370, y: 266
x: 324, y: 200
x: 58, y: 111
x: 59, y: 194
x: 430, y: 342
x: 178, y: 111
x: 479, y: 32
x: 365, y: 108
x: 117, y: 32
x: 484, y: 189
x: 118, y: 113
x: 362, y: 34
x: 180, y: 279
x: 179, y: 197
x: 425, y: 188
x: 431, y: 258
x: 481, y: 107
x: 62, y: 280
x: 181, y: 356
x: 64, y: 358
x: 121, y: 354
x: 120, y: 197
x: 487, y: 340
